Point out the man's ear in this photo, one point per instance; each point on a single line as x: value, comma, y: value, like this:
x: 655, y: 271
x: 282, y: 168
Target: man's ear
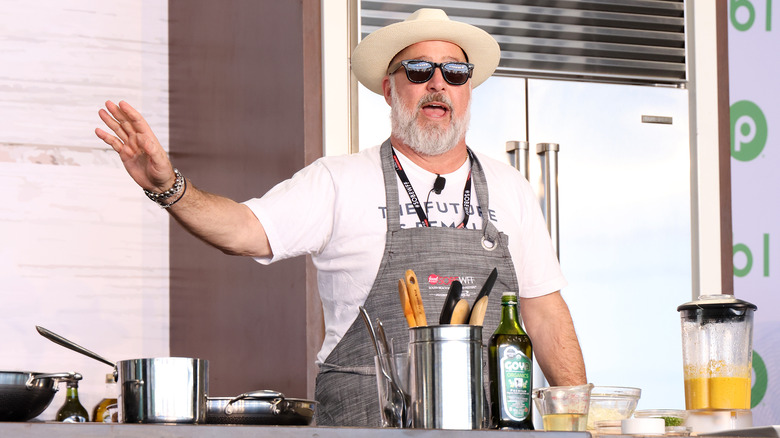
x: 386, y: 87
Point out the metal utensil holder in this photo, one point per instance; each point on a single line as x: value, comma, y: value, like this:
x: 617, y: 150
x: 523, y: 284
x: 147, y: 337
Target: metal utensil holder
x: 446, y: 377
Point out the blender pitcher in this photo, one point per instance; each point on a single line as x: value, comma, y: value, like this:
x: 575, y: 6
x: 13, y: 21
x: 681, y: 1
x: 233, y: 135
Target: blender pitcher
x: 717, y: 342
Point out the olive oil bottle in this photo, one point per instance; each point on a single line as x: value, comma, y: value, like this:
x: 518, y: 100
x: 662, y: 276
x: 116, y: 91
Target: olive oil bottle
x: 101, y: 413
x: 510, y: 357
x: 72, y: 411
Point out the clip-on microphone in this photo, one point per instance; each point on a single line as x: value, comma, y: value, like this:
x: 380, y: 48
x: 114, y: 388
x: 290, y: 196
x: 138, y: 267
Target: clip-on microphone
x: 438, y: 185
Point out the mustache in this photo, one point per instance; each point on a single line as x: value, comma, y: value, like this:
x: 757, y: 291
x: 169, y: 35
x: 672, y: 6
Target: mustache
x: 434, y: 97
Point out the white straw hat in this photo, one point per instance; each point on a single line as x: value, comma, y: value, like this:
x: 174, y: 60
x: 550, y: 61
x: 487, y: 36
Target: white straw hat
x: 371, y: 57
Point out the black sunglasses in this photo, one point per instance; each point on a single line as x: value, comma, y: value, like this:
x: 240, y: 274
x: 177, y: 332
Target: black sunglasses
x: 419, y: 71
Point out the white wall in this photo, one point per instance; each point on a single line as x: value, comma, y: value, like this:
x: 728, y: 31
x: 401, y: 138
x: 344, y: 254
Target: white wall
x: 82, y: 251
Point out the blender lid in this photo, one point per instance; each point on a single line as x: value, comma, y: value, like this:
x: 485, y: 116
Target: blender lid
x: 719, y: 301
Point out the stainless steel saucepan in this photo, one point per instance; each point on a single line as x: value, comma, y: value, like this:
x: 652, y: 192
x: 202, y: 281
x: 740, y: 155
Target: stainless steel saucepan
x: 154, y: 390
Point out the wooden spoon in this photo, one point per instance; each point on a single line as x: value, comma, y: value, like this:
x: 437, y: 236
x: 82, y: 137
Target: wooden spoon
x: 403, y: 294
x: 478, y: 311
x: 415, y: 298
x: 486, y: 288
x: 460, y: 315
x: 456, y: 288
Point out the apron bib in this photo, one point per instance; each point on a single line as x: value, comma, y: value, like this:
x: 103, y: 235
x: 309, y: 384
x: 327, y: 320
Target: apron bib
x: 346, y: 387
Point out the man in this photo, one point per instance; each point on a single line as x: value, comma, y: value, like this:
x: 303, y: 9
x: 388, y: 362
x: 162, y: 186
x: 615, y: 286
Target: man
x: 362, y: 218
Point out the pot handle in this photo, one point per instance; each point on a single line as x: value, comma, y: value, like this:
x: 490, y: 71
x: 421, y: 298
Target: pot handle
x: 57, y: 339
x: 263, y: 394
x: 58, y: 377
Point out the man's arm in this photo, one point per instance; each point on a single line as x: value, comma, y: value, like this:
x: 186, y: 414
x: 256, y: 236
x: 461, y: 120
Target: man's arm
x: 219, y: 221
x: 549, y: 325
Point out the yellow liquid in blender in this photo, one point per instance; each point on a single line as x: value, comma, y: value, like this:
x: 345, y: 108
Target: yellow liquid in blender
x: 717, y: 393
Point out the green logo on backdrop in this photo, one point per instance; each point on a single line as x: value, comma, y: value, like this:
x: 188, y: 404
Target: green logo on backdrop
x: 748, y: 130
x: 741, y: 248
x: 761, y: 381
x: 743, y: 14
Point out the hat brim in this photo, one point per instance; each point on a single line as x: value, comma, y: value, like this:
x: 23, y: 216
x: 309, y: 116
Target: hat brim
x: 371, y: 57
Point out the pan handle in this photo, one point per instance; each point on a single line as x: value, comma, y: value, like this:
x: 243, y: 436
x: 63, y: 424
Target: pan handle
x: 263, y: 394
x: 57, y: 339
x: 56, y: 376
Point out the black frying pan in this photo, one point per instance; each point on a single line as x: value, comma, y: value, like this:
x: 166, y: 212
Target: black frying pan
x: 25, y: 394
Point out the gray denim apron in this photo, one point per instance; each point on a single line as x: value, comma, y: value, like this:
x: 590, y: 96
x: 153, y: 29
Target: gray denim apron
x: 346, y: 388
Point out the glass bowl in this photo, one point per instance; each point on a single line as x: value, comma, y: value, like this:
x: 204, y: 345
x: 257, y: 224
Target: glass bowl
x: 612, y: 403
x: 672, y: 417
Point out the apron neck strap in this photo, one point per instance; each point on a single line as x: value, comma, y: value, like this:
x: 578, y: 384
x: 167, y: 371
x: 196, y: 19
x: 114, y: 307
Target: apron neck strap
x: 393, y: 212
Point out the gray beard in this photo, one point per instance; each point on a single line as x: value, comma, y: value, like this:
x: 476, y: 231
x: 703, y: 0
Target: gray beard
x: 426, y: 140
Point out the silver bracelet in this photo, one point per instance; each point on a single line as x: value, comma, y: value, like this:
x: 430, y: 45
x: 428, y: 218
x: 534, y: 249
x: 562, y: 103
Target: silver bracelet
x: 160, y: 198
x: 177, y: 199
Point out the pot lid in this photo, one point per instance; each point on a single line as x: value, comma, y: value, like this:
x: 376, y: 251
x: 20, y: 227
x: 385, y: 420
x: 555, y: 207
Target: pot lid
x: 715, y: 302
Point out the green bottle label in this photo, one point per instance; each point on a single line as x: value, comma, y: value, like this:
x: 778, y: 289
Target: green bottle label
x: 515, y: 377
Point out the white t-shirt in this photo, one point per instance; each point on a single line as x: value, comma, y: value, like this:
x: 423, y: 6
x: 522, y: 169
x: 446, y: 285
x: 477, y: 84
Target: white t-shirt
x: 334, y: 209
